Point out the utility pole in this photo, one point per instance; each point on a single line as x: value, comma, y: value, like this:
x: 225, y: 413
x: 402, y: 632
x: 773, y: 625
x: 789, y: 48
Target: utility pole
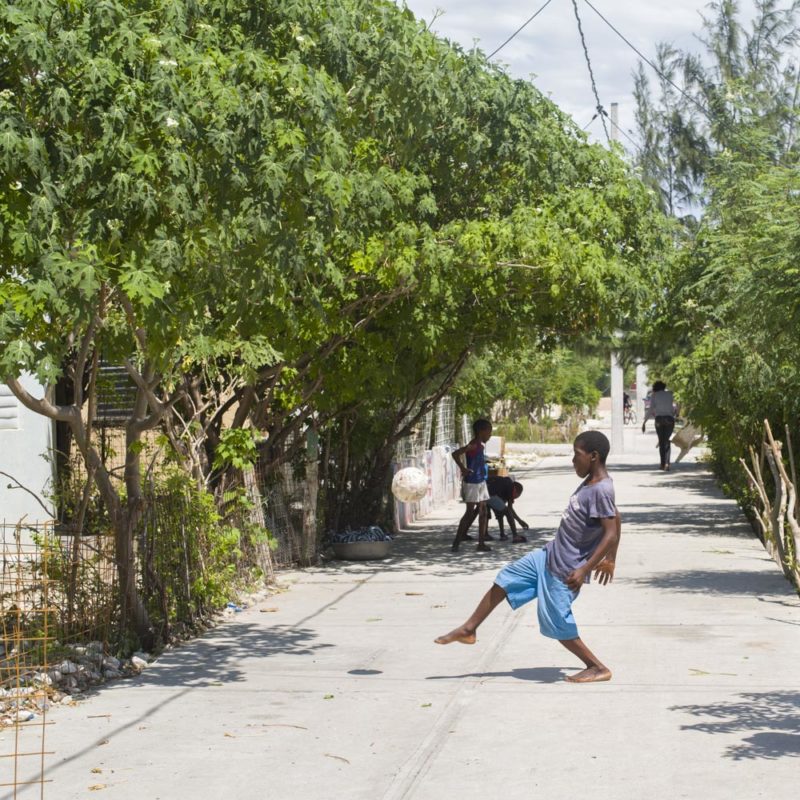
x: 641, y: 386
x: 617, y: 376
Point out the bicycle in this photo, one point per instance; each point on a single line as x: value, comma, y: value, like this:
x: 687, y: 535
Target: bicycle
x: 629, y: 415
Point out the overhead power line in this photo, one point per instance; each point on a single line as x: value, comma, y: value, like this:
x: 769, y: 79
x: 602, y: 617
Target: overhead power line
x: 599, y: 106
x: 520, y: 29
x: 646, y: 59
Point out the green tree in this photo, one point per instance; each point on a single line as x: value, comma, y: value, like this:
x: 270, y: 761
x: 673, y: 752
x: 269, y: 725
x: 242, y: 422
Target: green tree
x: 724, y: 328
x: 290, y: 214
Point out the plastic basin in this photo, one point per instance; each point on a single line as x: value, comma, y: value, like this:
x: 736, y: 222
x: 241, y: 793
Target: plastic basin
x: 361, y: 551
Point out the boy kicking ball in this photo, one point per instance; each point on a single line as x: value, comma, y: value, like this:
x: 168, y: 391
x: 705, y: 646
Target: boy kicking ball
x: 586, y: 541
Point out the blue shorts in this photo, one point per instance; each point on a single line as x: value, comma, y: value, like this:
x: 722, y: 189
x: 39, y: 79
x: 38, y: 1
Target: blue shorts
x: 529, y: 577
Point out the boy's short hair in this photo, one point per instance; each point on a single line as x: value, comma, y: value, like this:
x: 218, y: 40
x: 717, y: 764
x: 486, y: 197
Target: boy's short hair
x: 517, y: 488
x: 481, y: 425
x: 594, y: 442
x: 659, y: 386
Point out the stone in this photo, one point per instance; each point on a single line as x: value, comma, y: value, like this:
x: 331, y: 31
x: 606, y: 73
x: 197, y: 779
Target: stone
x: 67, y: 667
x: 138, y: 663
x: 111, y: 663
x: 110, y: 674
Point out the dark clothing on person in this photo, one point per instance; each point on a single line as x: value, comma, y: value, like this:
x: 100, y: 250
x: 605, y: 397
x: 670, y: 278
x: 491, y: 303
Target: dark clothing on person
x: 664, y: 427
x: 502, y: 487
x: 501, y: 504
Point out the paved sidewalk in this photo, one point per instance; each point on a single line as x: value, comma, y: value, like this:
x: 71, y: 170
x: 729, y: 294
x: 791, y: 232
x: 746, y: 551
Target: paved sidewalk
x: 341, y: 693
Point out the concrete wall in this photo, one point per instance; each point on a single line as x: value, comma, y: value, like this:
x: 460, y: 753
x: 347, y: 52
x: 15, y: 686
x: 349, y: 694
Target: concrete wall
x: 26, y: 440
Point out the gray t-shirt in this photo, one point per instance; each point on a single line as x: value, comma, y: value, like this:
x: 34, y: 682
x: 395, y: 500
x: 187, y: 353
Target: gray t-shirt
x: 580, y: 530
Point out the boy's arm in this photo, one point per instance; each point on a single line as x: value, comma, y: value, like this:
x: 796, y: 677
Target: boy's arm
x: 518, y: 518
x: 604, y: 572
x: 604, y: 554
x: 456, y: 454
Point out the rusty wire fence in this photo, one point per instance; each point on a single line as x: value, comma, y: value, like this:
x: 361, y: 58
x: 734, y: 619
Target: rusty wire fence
x: 28, y: 635
x: 61, y: 610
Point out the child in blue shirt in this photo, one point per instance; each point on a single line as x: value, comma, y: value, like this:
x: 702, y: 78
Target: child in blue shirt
x: 473, y: 487
x: 586, y: 541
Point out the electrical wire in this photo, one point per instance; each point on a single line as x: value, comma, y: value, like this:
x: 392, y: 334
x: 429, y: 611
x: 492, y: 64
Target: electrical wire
x: 647, y: 60
x: 629, y: 137
x: 519, y: 30
x: 599, y: 106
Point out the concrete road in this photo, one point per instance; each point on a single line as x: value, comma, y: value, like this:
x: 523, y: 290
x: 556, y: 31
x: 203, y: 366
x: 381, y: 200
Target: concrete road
x: 341, y: 693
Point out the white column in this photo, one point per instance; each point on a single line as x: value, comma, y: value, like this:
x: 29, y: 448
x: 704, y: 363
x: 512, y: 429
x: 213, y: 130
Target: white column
x: 617, y: 418
x: 641, y: 390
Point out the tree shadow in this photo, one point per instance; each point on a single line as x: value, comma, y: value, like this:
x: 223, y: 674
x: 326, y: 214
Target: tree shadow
x: 714, y: 520
x: 532, y: 674
x: 219, y: 656
x: 771, y: 718
x: 426, y: 550
x: 718, y: 582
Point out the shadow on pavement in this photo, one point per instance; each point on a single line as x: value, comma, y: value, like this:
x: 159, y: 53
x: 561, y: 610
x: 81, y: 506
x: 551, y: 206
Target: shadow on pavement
x: 427, y: 551
x: 532, y: 674
x: 714, y: 520
x: 771, y: 718
x: 718, y: 582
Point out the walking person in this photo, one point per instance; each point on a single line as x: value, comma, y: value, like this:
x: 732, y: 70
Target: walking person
x: 473, y: 487
x: 662, y: 409
x: 586, y: 542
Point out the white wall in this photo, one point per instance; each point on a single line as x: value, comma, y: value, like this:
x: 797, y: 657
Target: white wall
x: 26, y: 441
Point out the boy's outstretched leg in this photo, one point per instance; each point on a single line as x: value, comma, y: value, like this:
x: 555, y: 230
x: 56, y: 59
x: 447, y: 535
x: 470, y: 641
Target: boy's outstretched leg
x: 595, y: 670
x: 466, y: 633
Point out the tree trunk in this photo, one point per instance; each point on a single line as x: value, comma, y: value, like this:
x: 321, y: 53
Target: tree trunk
x: 134, y: 613
x: 256, y: 517
x: 308, y: 549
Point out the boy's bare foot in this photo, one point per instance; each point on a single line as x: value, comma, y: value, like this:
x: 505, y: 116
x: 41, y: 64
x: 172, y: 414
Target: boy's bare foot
x: 503, y: 537
x: 489, y: 537
x: 462, y: 634
x: 590, y: 675
x: 483, y: 548
x: 519, y: 539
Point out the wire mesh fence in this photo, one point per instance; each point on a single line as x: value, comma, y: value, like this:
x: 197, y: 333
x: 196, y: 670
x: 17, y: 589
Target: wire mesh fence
x: 428, y: 449
x: 445, y: 430
x: 27, y: 612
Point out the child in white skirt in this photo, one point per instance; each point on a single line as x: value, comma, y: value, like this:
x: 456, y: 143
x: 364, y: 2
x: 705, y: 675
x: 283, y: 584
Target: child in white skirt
x: 473, y: 487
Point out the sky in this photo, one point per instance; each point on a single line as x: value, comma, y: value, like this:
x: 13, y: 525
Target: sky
x: 549, y: 52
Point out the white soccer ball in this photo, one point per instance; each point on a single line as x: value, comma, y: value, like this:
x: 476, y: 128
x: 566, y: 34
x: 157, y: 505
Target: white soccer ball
x: 409, y: 485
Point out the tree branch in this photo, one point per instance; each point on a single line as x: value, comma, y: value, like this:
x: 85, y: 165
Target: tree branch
x: 41, y: 405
